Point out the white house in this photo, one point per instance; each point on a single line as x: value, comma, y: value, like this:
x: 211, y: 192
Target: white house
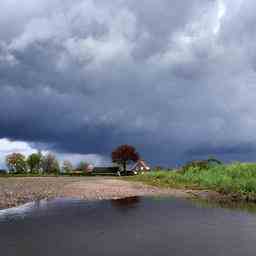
x: 140, y: 167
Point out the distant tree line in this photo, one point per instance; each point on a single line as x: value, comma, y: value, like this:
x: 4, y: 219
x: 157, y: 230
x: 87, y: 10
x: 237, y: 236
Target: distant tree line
x: 37, y: 163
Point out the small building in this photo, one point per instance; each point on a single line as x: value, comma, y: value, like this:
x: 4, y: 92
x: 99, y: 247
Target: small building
x: 106, y: 171
x: 140, y: 167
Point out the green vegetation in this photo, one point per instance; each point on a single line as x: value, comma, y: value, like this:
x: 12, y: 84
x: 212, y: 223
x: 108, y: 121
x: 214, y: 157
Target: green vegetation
x: 34, y: 162
x: 202, y: 164
x: 237, y: 180
x: 38, y: 164
x: 16, y: 163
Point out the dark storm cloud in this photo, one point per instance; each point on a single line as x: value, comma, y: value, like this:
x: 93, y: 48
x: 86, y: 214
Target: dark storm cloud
x: 174, y: 78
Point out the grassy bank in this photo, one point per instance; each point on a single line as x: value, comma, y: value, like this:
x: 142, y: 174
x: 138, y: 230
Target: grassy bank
x: 237, y: 180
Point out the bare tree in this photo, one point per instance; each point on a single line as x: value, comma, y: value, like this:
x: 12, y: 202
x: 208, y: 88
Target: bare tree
x: 50, y: 164
x: 67, y: 166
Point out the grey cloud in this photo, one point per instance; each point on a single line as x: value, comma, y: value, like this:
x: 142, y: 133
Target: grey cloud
x: 86, y: 76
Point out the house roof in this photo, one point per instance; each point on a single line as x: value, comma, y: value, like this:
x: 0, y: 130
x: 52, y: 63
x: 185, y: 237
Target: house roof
x: 140, y: 163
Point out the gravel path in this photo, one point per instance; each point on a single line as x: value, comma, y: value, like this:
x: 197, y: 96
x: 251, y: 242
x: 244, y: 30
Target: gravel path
x: 17, y: 191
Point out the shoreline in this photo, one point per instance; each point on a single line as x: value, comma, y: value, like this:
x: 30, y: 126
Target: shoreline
x: 16, y: 191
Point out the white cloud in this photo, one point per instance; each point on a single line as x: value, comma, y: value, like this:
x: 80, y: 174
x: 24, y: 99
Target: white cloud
x: 221, y: 14
x: 8, y: 147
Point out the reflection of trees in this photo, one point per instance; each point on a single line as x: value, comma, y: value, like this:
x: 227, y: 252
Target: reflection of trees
x: 126, y: 203
x: 37, y: 203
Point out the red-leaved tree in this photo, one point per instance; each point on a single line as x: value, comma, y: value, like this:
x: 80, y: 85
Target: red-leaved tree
x: 125, y: 154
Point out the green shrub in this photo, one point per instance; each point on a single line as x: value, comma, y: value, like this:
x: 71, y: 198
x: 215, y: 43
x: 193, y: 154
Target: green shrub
x: 236, y: 178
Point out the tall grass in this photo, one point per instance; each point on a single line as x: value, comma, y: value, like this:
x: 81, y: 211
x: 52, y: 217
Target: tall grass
x: 236, y: 179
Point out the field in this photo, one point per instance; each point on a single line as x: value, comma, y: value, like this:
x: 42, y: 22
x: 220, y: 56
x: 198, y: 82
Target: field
x: 237, y: 180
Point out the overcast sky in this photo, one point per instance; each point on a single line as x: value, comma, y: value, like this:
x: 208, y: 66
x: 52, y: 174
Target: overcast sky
x: 176, y: 79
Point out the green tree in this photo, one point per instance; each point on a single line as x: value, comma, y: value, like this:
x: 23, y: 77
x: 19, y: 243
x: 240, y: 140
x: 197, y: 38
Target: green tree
x: 50, y: 164
x: 34, y: 162
x: 16, y: 163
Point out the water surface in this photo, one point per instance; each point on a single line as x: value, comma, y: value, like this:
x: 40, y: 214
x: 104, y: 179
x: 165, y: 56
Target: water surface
x: 135, y: 226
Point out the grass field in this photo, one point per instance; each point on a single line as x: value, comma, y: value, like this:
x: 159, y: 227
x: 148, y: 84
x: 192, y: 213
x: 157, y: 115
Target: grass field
x: 237, y: 179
